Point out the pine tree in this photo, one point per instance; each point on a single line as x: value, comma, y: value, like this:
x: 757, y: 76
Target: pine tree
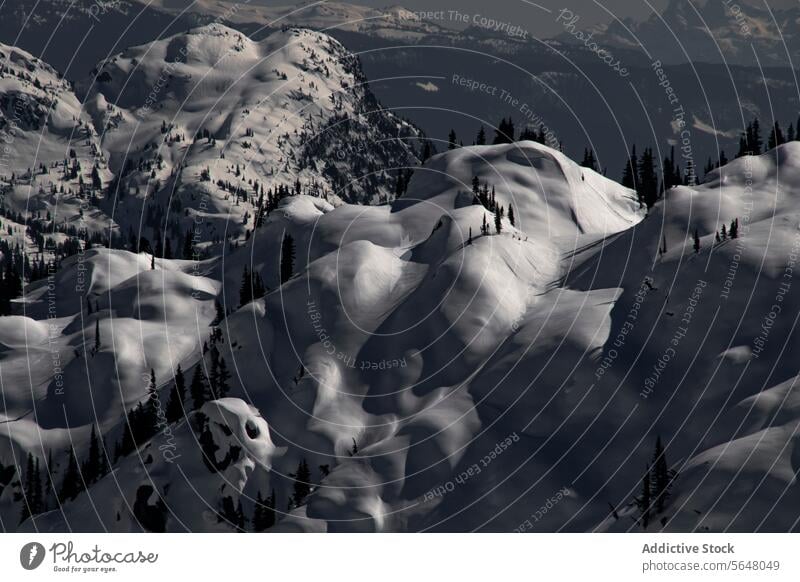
x: 505, y: 132
x: 481, y: 139
x: 302, y: 484
x: 588, y: 159
x: 644, y: 501
x: 776, y: 137
x: 660, y: 478
x: 648, y: 179
x: 427, y: 151
x: 241, y: 521
x: 696, y: 242
x: 91, y: 467
x: 32, y: 500
x: 174, y: 410
x: 734, y: 232
x: 511, y: 217
x: 150, y: 420
x: 629, y: 171
x: 452, y: 140
x: 287, y: 258
x: 246, y: 288
x: 222, y: 379
x: 197, y: 389
x: 264, y: 513
x: 498, y: 222
x: 97, y: 343
x: 71, y: 484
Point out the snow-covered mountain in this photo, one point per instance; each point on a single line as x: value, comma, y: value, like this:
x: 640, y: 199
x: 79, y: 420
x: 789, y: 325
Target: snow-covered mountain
x: 218, y: 333
x: 361, y: 364
x: 211, y: 119
x: 196, y: 132
x: 743, y: 33
x: 422, y: 372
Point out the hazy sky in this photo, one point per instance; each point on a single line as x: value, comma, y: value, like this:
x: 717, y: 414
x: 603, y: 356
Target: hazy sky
x: 536, y: 20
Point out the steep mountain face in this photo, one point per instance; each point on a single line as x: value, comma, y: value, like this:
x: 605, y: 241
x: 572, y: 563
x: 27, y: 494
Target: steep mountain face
x: 209, y: 120
x: 192, y: 136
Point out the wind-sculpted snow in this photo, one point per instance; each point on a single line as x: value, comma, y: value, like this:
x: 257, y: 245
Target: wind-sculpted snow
x: 496, y: 345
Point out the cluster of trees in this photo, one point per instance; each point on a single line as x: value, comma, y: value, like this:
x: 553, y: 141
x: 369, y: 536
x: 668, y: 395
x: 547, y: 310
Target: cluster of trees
x: 142, y: 422
x: 39, y: 491
x: 287, y: 258
x: 751, y: 143
x: 252, y: 287
x: 10, y: 278
x: 264, y: 516
x: 505, y: 133
x: 486, y: 198
x: 656, y: 485
x: 732, y: 233
x: 640, y: 174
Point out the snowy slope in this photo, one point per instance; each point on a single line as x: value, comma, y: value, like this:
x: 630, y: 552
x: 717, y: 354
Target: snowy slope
x: 430, y: 380
x: 293, y: 110
x: 379, y: 342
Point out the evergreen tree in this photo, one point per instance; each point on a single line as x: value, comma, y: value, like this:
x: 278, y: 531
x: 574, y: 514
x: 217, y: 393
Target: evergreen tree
x: 696, y: 242
x: 648, y: 179
x: 246, y: 288
x: 754, y: 141
x: 32, y: 500
x: 97, y: 183
x: 511, y: 217
x: 427, y: 151
x: 150, y: 420
x: 71, y: 484
x: 660, y: 478
x: 644, y: 501
x: 630, y: 170
x: 302, y: 484
x: 287, y: 258
x: 92, y: 465
x: 264, y: 513
x: 505, y: 132
x: 197, y: 389
x: 97, y: 343
x: 222, y: 379
x: 588, y: 159
x: 776, y: 137
x: 481, y: 139
x: 498, y: 222
x: 452, y: 140
x: 174, y: 410
x: 734, y: 231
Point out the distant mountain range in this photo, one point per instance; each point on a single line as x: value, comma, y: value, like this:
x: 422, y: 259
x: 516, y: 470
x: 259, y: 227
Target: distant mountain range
x: 717, y: 31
